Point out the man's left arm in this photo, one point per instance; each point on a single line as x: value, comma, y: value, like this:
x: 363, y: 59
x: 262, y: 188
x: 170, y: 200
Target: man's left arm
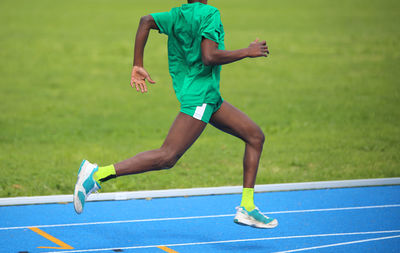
x: 139, y: 74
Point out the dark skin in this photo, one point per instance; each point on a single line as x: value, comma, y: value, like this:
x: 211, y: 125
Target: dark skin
x: 185, y: 129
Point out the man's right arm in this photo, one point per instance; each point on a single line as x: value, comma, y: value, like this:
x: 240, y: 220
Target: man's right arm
x: 211, y: 55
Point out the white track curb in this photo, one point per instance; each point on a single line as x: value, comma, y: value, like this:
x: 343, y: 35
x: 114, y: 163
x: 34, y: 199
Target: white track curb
x: 200, y: 191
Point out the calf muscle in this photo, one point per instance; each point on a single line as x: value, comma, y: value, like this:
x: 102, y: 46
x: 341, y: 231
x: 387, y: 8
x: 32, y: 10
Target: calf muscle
x: 183, y: 133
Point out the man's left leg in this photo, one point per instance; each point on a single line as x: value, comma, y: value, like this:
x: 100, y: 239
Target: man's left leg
x: 232, y: 121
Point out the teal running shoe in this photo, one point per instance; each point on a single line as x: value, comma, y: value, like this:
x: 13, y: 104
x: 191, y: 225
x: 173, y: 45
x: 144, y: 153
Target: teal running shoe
x: 85, y: 185
x: 254, y: 218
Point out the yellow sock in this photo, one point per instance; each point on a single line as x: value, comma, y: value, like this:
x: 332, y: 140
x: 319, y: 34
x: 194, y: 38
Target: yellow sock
x: 105, y: 173
x: 248, y: 199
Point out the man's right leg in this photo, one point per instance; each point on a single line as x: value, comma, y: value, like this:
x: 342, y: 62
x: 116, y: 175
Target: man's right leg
x: 182, y: 134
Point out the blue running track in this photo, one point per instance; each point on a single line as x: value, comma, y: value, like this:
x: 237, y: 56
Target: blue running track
x: 364, y: 219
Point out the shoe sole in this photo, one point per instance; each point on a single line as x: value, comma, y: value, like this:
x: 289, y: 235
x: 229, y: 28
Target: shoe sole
x: 245, y: 220
x: 77, y: 203
x: 79, y: 197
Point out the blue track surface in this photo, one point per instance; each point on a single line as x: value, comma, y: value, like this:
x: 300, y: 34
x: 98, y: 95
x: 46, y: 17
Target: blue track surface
x: 363, y: 219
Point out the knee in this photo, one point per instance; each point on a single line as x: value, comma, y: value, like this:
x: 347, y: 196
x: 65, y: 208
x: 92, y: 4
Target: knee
x: 256, y: 138
x: 169, y: 158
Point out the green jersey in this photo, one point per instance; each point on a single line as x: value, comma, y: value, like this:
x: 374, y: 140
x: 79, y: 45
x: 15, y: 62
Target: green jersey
x: 194, y: 83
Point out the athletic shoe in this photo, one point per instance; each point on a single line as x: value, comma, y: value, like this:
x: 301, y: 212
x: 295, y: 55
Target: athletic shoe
x: 254, y: 218
x: 85, y: 185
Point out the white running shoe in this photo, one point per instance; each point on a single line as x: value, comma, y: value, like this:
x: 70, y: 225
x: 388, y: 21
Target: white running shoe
x: 85, y: 185
x: 254, y: 218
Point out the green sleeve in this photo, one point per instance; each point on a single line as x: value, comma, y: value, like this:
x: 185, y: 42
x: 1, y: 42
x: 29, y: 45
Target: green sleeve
x: 163, y: 21
x: 211, y: 27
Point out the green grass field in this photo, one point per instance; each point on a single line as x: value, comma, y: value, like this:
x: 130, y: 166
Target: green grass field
x: 327, y: 98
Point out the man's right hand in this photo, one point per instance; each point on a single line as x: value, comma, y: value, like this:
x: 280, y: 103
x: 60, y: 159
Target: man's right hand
x: 258, y: 49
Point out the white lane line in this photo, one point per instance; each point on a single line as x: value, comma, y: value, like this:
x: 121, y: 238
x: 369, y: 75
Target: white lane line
x: 198, y: 217
x: 335, y: 209
x: 234, y: 241
x: 341, y: 244
x: 120, y: 221
x: 203, y: 191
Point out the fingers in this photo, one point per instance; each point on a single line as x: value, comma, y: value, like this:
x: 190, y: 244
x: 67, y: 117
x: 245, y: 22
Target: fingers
x: 140, y: 85
x: 143, y: 87
x: 264, y: 49
x: 138, y: 79
x: 149, y: 79
x: 264, y: 43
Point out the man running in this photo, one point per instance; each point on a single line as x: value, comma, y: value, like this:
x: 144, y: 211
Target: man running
x: 196, y: 52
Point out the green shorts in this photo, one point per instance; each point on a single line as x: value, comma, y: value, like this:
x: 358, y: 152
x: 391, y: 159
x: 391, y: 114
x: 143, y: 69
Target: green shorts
x: 203, y: 112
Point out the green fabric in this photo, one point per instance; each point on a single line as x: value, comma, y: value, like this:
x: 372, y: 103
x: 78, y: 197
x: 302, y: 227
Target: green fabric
x: 105, y: 173
x: 203, y: 112
x: 194, y: 83
x: 248, y: 199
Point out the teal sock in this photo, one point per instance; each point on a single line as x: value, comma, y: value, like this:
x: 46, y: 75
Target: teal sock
x: 248, y: 199
x: 105, y: 173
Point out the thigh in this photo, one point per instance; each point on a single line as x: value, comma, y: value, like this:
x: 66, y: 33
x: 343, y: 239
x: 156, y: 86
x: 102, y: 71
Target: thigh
x: 233, y: 121
x: 183, y: 133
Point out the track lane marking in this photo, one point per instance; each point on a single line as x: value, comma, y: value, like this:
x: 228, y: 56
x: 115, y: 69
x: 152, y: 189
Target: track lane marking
x: 235, y: 241
x: 61, y: 244
x: 341, y: 244
x: 201, y: 217
x: 166, y: 249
